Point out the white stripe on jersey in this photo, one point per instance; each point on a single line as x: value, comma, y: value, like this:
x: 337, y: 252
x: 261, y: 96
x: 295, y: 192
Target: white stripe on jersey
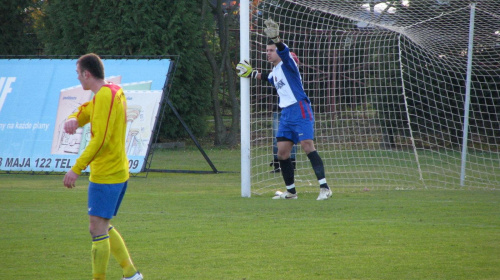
x: 285, y: 77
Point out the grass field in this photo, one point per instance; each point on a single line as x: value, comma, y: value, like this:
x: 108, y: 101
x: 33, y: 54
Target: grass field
x: 196, y: 226
x: 382, y: 170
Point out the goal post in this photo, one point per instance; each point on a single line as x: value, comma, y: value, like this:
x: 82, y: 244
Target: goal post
x: 245, y: 101
x: 470, y: 50
x: 389, y: 83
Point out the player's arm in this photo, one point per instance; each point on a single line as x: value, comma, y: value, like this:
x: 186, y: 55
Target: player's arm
x: 75, y: 120
x: 281, y: 46
x: 245, y: 70
x: 264, y: 76
x: 78, y: 119
x: 103, y: 115
x: 272, y: 31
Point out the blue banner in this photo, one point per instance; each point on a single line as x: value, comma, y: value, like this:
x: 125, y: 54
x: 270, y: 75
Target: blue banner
x: 37, y: 95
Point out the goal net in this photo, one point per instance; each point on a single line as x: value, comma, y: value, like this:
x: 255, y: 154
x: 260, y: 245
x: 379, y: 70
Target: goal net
x: 395, y: 90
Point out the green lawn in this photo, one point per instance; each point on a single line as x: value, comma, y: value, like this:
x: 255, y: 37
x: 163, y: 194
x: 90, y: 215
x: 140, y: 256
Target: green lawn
x: 196, y: 226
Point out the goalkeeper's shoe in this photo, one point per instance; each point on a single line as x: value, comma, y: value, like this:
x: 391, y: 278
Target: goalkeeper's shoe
x: 324, y: 194
x: 137, y: 276
x: 286, y: 195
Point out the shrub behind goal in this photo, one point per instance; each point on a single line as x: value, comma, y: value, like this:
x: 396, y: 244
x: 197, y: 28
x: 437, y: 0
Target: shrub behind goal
x: 406, y: 94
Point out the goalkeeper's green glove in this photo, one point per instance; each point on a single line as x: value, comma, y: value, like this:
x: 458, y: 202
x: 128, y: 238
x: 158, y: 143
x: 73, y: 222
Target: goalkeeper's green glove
x: 245, y: 70
x: 272, y: 30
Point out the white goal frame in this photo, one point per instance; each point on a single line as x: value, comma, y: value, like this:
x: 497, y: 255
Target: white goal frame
x: 245, y: 88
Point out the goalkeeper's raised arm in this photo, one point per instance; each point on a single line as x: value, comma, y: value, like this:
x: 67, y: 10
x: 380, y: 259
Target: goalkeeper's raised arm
x: 272, y: 30
x: 244, y: 68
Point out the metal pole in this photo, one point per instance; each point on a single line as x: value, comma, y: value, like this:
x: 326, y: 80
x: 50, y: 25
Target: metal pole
x: 192, y: 136
x: 467, y: 93
x: 245, y: 100
x: 415, y: 152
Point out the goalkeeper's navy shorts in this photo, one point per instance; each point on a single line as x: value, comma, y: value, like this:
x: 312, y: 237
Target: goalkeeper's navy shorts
x: 104, y: 199
x: 296, y: 122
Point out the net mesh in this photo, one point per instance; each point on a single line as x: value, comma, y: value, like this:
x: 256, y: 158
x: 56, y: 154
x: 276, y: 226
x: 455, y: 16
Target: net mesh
x: 387, y: 83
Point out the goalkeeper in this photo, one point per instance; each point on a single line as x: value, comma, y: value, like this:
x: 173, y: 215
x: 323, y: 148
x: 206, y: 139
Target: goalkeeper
x: 297, y: 120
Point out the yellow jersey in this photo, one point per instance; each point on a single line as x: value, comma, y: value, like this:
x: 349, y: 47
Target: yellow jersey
x: 105, y: 153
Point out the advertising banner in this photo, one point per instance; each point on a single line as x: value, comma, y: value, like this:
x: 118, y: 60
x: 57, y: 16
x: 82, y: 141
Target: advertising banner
x: 37, y: 95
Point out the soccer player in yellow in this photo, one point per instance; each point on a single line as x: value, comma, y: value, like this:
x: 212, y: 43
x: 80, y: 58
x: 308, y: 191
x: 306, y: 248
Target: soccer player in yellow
x: 109, y: 173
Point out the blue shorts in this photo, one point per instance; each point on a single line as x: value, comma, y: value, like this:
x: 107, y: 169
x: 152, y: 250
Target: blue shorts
x: 297, y: 122
x: 105, y: 199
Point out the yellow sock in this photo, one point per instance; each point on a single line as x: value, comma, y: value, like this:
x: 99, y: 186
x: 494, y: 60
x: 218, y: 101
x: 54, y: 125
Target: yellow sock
x: 100, y: 256
x: 120, y: 252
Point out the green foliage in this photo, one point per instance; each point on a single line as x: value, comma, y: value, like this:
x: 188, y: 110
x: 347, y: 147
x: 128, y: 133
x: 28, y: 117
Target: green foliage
x: 143, y: 27
x: 192, y: 226
x: 17, y: 20
x: 221, y: 50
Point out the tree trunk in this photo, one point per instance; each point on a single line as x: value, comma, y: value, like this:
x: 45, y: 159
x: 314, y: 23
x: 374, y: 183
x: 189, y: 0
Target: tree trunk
x: 231, y: 138
x: 220, y: 70
x: 220, y: 130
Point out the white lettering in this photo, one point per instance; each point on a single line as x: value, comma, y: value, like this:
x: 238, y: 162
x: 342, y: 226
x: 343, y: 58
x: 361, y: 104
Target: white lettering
x: 6, y: 88
x: 43, y: 126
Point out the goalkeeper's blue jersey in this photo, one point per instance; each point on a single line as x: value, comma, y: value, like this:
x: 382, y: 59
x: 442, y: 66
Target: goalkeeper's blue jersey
x: 285, y: 77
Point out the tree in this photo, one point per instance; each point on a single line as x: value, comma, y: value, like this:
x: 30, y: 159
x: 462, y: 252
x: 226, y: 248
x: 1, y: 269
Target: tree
x: 217, y: 17
x: 18, y: 19
x: 141, y: 27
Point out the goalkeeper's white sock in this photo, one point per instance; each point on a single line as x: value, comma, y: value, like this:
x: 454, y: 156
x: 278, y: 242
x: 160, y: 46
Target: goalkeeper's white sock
x: 291, y: 189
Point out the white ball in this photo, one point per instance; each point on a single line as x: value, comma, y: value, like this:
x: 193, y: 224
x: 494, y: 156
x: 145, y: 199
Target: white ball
x: 278, y: 193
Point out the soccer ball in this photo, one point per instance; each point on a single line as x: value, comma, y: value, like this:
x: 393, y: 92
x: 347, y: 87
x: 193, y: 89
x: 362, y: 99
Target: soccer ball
x: 278, y: 193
